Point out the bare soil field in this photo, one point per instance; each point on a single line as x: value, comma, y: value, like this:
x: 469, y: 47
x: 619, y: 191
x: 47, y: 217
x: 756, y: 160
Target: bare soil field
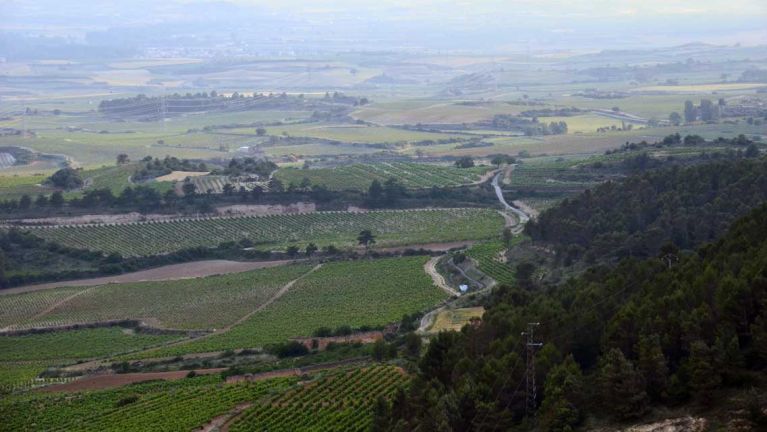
x: 100, y: 382
x: 188, y: 270
x: 181, y: 175
x: 266, y: 209
x: 323, y: 342
x: 435, y: 247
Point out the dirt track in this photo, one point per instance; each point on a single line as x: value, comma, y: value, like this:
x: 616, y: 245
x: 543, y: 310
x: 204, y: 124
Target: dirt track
x: 431, y: 269
x: 188, y: 270
x: 99, y: 382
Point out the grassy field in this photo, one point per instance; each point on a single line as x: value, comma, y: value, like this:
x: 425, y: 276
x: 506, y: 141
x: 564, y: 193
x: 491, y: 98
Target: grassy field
x: 349, y: 133
x: 432, y: 111
x: 391, y: 228
x: 359, y: 176
x: 14, y: 186
x: 356, y: 293
x: 702, y: 88
x: 204, y: 303
x: 455, y: 319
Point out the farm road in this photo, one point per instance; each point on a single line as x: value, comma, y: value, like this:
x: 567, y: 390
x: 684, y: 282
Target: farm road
x: 431, y: 269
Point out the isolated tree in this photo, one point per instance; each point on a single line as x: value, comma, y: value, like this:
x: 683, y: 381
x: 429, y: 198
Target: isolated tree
x: 366, y: 238
x: 228, y: 189
x: 675, y: 118
x: 57, y: 199
x: 375, y: 192
x: 260, y: 131
x: 189, y: 189
x: 122, y: 159
x: 708, y: 111
x: 41, y: 200
x: 66, y: 178
x: 690, y: 112
x: 393, y: 190
x: 25, y: 202
x: 501, y: 159
x: 464, y: 162
x: 311, y: 248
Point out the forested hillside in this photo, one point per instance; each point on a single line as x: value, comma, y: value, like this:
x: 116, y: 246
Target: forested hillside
x: 636, y: 216
x: 680, y: 329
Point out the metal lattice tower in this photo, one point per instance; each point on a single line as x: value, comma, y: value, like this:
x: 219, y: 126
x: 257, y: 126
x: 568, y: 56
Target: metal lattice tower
x: 531, y: 392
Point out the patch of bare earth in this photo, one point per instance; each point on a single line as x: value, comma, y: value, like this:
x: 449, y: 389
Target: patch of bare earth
x: 222, y: 422
x: 100, y: 382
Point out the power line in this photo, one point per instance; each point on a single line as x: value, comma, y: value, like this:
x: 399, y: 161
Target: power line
x: 531, y: 346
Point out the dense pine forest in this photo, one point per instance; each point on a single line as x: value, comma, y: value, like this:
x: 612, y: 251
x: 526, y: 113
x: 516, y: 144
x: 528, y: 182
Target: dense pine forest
x: 636, y: 216
x: 676, y: 322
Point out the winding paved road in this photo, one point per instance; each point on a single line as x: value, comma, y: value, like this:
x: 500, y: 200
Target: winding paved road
x: 522, y: 216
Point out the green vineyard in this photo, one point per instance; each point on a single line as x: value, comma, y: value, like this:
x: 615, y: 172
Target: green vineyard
x: 359, y: 176
x: 203, y: 303
x: 332, y: 401
x: 391, y: 228
x: 76, y: 344
x: 162, y: 406
x: 354, y: 293
x: 488, y: 256
x: 338, y: 402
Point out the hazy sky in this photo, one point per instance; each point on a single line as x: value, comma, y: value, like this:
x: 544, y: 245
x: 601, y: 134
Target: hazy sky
x: 430, y: 24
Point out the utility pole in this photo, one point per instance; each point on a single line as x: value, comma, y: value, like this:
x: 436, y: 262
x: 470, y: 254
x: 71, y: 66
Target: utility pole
x: 531, y: 393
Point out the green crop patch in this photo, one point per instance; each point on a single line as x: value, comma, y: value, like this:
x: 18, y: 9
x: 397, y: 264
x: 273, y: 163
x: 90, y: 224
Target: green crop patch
x: 391, y: 228
x: 337, y: 402
x: 186, y: 404
x: 360, y: 176
x: 203, y: 303
x: 356, y: 293
x: 80, y: 344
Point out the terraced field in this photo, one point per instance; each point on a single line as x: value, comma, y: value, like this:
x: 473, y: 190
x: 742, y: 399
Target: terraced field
x: 391, y: 228
x: 338, y: 402
x: 354, y: 293
x: 204, y: 303
x: 359, y: 176
x: 489, y: 256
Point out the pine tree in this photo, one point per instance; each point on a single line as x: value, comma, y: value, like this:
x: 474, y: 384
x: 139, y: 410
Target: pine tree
x: 653, y: 366
x: 704, y: 376
x: 563, y: 392
x: 621, y: 387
